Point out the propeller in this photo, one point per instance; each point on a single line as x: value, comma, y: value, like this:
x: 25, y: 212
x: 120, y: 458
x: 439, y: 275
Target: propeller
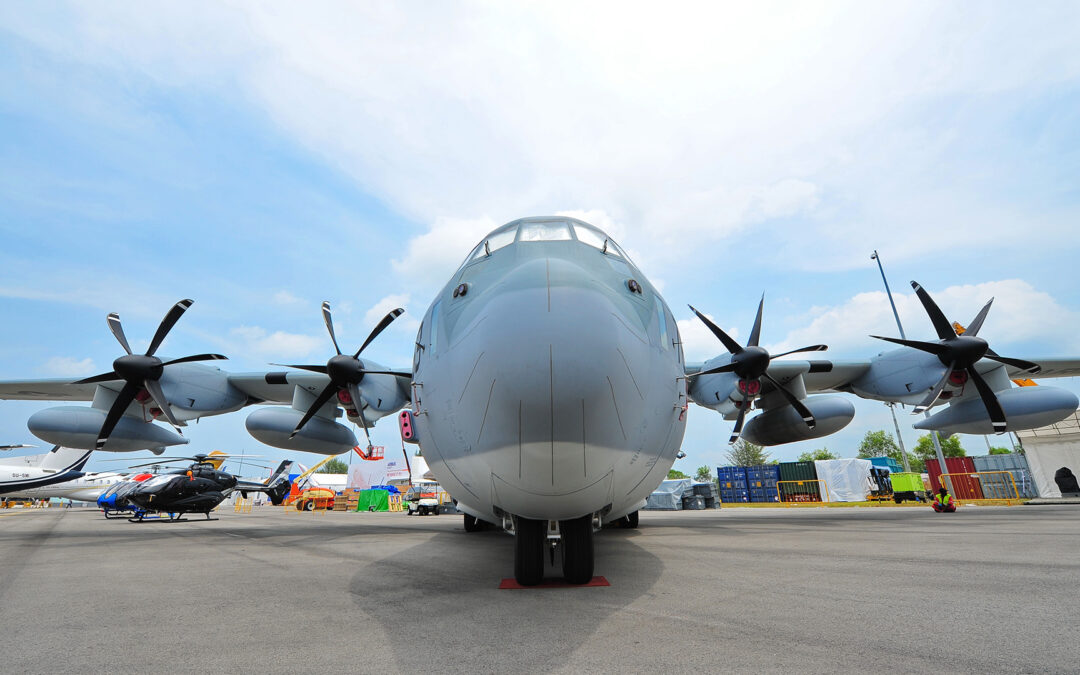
x: 345, y: 372
x: 141, y: 372
x: 751, y: 364
x: 959, y: 353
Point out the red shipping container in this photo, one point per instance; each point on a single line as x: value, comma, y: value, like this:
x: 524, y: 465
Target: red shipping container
x: 963, y: 487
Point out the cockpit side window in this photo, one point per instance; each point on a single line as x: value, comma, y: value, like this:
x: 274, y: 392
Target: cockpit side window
x: 551, y: 231
x: 597, y: 239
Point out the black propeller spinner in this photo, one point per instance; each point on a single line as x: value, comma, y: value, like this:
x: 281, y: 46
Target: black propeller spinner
x: 345, y: 372
x: 141, y: 372
x: 751, y: 364
x: 959, y: 354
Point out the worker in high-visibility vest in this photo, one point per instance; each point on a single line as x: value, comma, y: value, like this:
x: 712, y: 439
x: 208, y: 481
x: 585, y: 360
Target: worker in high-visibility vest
x: 943, y: 502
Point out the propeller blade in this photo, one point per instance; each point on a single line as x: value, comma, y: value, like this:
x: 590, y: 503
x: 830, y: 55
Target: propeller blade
x: 386, y: 321
x: 932, y: 397
x: 935, y: 348
x: 118, y: 331
x: 1015, y: 363
x: 330, y: 325
x: 314, y: 369
x: 737, y: 431
x: 197, y: 357
x: 937, y: 317
x: 989, y: 398
x: 755, y: 332
x: 730, y: 344
x: 154, y: 387
x: 811, y: 348
x: 325, y: 396
x: 123, y: 400
x: 354, y: 391
x: 799, y: 406
x: 399, y: 373
x: 104, y: 377
x: 977, y: 322
x: 726, y: 368
x: 167, y: 323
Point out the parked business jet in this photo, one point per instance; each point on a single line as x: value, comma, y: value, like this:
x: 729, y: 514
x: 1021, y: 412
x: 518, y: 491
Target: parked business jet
x: 31, y: 471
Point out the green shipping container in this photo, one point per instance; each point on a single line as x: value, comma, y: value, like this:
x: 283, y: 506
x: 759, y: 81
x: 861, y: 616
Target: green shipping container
x: 906, y: 482
x: 809, y: 491
x: 373, y: 500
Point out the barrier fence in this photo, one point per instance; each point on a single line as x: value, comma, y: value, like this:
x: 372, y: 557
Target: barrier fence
x: 801, y: 491
x: 983, y: 487
x: 242, y: 505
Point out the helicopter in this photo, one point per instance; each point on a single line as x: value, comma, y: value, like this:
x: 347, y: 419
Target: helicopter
x: 197, y: 489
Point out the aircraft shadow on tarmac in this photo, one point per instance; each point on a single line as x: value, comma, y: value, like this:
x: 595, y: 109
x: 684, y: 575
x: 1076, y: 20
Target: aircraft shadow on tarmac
x: 440, y: 599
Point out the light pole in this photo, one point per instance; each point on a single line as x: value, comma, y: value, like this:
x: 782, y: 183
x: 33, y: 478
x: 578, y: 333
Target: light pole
x: 933, y: 434
x: 892, y: 406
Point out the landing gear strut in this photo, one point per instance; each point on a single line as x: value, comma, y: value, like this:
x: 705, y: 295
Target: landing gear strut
x: 529, y: 539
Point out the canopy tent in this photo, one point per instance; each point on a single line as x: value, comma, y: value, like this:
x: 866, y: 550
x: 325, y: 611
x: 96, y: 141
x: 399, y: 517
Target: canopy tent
x: 1050, y: 448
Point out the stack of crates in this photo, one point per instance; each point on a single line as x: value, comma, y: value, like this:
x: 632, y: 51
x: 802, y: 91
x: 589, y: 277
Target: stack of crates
x: 732, y: 484
x: 761, y: 482
x: 341, y: 502
x: 352, y: 499
x: 708, y: 492
x: 799, y: 482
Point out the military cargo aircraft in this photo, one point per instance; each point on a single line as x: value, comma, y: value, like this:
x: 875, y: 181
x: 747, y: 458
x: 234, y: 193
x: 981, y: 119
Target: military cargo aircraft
x: 548, y: 390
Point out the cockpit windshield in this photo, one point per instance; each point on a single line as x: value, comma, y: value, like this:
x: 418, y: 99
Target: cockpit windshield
x: 546, y: 229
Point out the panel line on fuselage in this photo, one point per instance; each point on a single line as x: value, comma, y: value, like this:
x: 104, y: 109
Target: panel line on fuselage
x: 615, y: 403
x: 471, y: 373
x: 631, y: 372
x: 486, y: 407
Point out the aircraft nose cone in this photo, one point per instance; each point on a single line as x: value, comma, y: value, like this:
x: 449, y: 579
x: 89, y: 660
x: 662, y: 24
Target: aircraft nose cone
x: 558, y: 390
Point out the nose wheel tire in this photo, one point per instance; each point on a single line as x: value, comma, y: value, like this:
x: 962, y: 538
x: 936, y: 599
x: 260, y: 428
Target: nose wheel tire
x: 471, y: 524
x: 529, y: 538
x: 577, y: 549
x: 632, y: 520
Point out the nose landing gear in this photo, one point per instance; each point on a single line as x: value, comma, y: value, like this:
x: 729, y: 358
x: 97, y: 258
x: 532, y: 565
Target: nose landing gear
x: 573, y: 538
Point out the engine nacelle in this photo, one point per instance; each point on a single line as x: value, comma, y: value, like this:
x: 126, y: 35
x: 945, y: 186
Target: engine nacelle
x: 1024, y: 408
x: 784, y: 425
x: 274, y: 425
x: 79, y: 427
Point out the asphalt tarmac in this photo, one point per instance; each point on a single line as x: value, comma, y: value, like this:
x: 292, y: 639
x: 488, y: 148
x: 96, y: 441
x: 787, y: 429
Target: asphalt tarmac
x: 987, y: 589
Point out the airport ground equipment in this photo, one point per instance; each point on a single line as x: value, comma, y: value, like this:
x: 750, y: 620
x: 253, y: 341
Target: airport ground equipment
x: 907, y: 487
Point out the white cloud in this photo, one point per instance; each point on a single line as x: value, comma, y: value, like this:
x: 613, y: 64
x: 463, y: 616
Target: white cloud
x: 287, y: 299
x: 407, y: 324
x: 66, y: 366
x: 691, y: 125
x: 432, y: 257
x: 699, y: 344
x: 256, y: 341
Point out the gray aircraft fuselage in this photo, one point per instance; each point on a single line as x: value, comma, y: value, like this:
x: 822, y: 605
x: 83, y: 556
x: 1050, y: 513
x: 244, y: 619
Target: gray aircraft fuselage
x: 553, y: 387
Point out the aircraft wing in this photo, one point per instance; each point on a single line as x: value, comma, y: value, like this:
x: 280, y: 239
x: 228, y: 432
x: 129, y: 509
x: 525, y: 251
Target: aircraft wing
x: 1050, y: 368
x: 277, y: 386
x: 57, y: 389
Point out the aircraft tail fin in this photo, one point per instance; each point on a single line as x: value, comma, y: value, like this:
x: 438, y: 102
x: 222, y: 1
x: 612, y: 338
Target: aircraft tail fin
x: 216, y: 459
x: 65, y: 459
x: 278, y: 483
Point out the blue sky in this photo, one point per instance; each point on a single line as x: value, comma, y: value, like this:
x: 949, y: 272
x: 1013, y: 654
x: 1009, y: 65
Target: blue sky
x: 261, y: 158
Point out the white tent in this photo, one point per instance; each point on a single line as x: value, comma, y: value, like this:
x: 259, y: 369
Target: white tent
x: 845, y: 479
x: 1050, y: 448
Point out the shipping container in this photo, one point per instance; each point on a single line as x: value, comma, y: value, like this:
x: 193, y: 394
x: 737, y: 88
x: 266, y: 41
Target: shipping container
x: 734, y: 495
x: 761, y: 482
x: 731, y: 477
x: 887, y: 462
x: 1014, y: 463
x: 963, y: 487
x: 805, y: 487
